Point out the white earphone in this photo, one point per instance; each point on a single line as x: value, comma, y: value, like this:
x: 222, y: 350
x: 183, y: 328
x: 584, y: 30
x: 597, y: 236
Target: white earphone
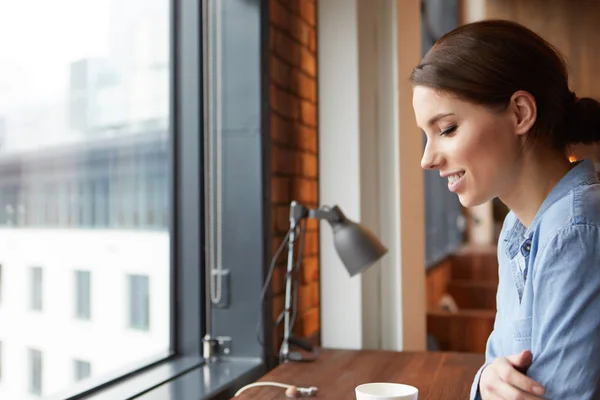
x: 291, y: 391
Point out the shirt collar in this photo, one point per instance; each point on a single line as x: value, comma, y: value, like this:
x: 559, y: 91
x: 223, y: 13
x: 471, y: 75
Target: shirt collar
x: 582, y: 173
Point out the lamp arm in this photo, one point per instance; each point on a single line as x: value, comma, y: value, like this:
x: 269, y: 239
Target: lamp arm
x: 299, y: 211
x: 331, y: 215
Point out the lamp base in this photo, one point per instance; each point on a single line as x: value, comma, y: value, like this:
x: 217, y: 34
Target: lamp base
x: 308, y: 354
x: 297, y: 356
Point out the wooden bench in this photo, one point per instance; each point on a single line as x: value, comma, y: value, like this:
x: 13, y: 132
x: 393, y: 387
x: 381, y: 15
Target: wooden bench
x: 470, y: 278
x: 465, y: 331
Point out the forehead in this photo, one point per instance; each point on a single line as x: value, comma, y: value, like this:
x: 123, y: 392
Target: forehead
x: 428, y: 103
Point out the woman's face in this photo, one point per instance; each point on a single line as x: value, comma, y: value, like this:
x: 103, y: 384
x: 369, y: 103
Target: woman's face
x: 475, y: 148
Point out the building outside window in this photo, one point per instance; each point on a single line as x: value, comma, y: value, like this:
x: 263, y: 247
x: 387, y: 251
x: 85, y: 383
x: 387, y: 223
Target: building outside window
x: 81, y: 370
x: 74, y: 112
x: 35, y: 371
x: 36, y: 288
x: 139, y: 302
x: 83, y: 287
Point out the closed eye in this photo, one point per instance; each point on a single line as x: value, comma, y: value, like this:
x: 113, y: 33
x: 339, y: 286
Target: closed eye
x: 448, y: 131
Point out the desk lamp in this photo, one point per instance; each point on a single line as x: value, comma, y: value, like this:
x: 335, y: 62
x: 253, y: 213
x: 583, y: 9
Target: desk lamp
x: 357, y: 247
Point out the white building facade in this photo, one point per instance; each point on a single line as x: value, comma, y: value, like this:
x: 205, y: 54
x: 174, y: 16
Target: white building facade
x: 84, y: 194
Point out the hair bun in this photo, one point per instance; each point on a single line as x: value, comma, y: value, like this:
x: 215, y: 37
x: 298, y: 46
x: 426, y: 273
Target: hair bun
x: 584, y: 121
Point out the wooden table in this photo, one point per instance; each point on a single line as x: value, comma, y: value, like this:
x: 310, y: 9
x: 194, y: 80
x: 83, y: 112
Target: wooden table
x: 336, y: 373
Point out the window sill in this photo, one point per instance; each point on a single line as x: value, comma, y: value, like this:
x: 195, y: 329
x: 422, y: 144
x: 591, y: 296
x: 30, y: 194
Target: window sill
x: 179, y: 378
x: 215, y: 381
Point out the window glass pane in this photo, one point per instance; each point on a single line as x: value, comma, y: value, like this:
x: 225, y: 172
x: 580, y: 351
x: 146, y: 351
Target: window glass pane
x: 35, y: 371
x: 81, y: 370
x: 138, y: 302
x: 84, y: 161
x: 36, y: 293
x: 82, y: 294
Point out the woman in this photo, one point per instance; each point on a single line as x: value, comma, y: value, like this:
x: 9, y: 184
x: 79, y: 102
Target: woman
x: 494, y: 101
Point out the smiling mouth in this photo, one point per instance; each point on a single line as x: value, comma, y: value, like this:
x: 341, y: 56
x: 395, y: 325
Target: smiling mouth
x: 455, y: 177
x: 454, y: 180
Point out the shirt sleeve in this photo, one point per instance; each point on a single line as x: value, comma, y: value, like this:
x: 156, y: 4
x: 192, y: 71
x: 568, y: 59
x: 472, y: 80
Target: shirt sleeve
x: 565, y: 335
x: 492, y: 349
x: 490, y: 355
x: 475, y: 393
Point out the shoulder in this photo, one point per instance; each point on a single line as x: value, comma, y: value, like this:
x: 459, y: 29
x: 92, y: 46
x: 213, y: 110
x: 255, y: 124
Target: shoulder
x: 574, y: 215
x: 585, y: 205
x: 568, y: 240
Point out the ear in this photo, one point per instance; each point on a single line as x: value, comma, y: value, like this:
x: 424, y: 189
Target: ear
x: 524, y: 110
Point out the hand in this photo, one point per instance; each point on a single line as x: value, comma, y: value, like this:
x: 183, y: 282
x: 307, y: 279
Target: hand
x: 501, y: 380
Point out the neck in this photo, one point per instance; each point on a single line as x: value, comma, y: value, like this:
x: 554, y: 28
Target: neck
x: 538, y: 175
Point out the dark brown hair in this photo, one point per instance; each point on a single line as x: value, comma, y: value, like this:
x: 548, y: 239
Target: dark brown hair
x: 486, y: 62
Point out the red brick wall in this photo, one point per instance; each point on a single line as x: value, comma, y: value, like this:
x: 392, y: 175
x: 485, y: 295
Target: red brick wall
x: 294, y: 150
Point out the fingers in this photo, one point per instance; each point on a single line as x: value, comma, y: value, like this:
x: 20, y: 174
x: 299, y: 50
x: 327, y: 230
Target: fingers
x: 521, y: 360
x: 492, y: 396
x: 506, y: 391
x: 501, y: 380
x: 515, y: 379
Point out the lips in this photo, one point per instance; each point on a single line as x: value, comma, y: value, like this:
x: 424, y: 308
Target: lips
x: 455, y: 180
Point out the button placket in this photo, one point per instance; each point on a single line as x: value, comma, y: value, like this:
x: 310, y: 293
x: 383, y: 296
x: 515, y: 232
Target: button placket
x: 517, y: 272
x: 525, y: 251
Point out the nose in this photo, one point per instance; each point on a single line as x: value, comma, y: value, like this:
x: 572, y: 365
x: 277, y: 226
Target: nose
x: 431, y: 157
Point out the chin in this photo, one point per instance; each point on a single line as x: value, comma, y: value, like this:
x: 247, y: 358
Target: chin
x: 472, y: 201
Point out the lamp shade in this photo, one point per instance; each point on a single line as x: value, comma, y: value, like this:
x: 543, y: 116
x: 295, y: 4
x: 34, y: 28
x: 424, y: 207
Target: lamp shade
x: 356, y: 245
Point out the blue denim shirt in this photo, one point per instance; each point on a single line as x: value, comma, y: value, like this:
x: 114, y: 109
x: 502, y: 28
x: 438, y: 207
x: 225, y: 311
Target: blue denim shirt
x: 548, y: 298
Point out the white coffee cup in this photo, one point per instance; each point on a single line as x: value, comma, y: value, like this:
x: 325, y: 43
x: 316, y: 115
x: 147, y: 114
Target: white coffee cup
x: 386, y: 391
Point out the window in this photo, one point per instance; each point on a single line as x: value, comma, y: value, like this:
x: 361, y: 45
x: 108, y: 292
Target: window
x: 36, y: 294
x: 35, y: 371
x: 1, y: 283
x: 111, y: 121
x: 139, y: 313
x: 82, y: 294
x: 81, y: 116
x: 1, y: 360
x: 81, y: 370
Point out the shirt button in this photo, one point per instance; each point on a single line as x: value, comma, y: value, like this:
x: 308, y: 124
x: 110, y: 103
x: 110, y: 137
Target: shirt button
x: 526, y: 248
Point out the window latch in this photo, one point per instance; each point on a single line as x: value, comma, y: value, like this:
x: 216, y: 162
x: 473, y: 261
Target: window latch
x: 213, y: 348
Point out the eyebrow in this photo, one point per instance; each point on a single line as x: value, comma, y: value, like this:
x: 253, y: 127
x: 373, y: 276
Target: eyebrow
x: 437, y: 117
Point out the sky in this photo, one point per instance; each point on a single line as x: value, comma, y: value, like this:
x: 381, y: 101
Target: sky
x: 39, y: 38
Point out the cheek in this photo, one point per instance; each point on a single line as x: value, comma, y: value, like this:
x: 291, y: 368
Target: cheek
x: 470, y: 149
x: 490, y: 153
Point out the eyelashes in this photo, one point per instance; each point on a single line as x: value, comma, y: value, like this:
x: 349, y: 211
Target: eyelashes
x: 448, y: 131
